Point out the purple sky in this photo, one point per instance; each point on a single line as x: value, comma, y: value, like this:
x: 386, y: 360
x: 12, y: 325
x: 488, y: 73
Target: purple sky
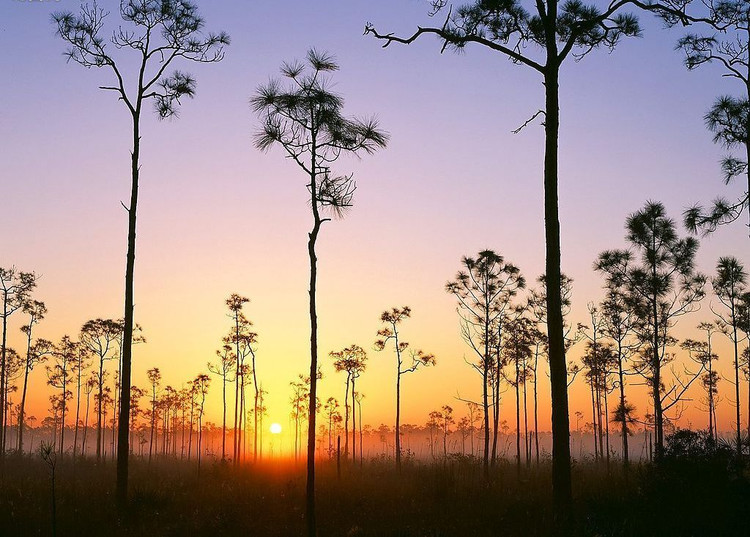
x: 217, y: 216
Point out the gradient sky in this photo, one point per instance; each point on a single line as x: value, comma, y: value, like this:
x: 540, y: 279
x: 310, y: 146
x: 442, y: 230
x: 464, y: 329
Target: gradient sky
x: 216, y: 216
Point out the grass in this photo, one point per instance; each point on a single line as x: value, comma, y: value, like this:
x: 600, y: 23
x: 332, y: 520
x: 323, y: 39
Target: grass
x: 171, y: 498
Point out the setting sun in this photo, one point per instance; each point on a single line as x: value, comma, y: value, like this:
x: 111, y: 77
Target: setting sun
x: 275, y: 428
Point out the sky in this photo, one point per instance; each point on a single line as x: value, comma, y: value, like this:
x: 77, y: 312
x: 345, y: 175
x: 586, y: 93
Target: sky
x: 216, y: 216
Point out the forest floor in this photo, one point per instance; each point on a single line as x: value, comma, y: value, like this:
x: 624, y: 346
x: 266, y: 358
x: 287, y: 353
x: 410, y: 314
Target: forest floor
x: 169, y: 498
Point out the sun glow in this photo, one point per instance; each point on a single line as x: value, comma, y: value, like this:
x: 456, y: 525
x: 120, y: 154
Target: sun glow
x: 275, y: 428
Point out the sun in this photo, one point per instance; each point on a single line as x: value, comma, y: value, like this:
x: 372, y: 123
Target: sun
x: 275, y: 428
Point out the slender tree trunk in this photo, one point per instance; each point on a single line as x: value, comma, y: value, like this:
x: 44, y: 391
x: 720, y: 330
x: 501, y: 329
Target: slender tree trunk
x: 114, y: 416
x: 64, y: 407
x: 656, y: 388
x: 224, y: 417
x: 153, y: 424
x: 600, y: 435
x: 99, y: 410
x: 354, y: 423
x: 624, y: 421
x: 485, y: 405
x: 594, y: 421
x: 518, y: 422
x: 241, y: 438
x: 561, y: 478
x: 346, y: 417
x: 190, y: 434
x: 255, y: 413
x: 313, y: 236
x: 3, y: 375
x: 536, y: 408
x: 86, y: 425
x: 737, y: 378
x: 22, y: 409
x: 495, y: 382
x: 235, y: 444
x: 496, y: 409
x: 199, y: 449
x: 398, y: 416
x: 78, y: 409
x: 606, y: 420
x: 526, y: 439
x: 127, y: 339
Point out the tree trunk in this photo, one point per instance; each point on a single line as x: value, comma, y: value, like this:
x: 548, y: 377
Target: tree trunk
x: 536, y: 408
x: 485, y: 404
x: 127, y: 338
x: 606, y: 420
x: 526, y: 439
x: 346, y: 417
x: 3, y: 375
x: 313, y: 236
x: 496, y: 409
x: 354, y: 423
x: 398, y: 415
x: 22, y: 409
x: 78, y: 410
x: 624, y: 423
x: 518, y: 423
x: 656, y: 388
x: 737, y: 378
x: 99, y: 410
x: 224, y: 417
x: 235, y: 445
x: 86, y: 425
x: 255, y: 414
x: 561, y: 478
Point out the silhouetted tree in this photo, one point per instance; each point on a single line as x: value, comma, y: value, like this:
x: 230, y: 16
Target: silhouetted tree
x: 137, y: 337
x: 727, y: 45
x: 353, y: 360
x: 617, y: 324
x: 358, y: 397
x: 201, y: 384
x: 35, y: 353
x: 99, y: 336
x: 518, y: 351
x: 154, y: 377
x: 58, y: 376
x: 331, y: 409
x: 306, y: 120
x: 227, y: 361
x: 446, y: 422
x: 235, y: 303
x: 136, y: 394
x: 558, y: 32
x: 599, y: 360
x: 159, y: 33
x: 662, y: 285
x: 15, y: 287
x: 300, y: 394
x: 484, y: 289
x: 80, y: 365
x: 14, y: 369
x: 702, y: 353
x: 743, y: 325
x: 392, y: 319
x: 91, y: 384
x: 729, y: 286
